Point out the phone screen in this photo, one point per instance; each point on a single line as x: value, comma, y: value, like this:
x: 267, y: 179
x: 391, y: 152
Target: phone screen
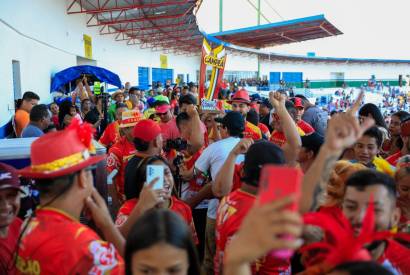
x: 156, y: 171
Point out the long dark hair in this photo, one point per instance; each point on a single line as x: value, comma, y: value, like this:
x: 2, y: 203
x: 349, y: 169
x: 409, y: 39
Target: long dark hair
x: 156, y: 226
x: 133, y: 191
x: 374, y: 111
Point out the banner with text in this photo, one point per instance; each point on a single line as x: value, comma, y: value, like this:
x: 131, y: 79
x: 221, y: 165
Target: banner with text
x: 215, y: 60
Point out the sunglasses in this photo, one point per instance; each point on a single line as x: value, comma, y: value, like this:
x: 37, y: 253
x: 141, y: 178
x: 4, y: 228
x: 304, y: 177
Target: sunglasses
x: 162, y: 114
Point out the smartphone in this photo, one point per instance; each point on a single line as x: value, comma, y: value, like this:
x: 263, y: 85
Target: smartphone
x: 156, y: 171
x: 277, y: 182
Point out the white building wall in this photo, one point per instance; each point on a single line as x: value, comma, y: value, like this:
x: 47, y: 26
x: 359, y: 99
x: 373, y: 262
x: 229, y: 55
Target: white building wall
x: 45, y: 39
x: 321, y: 71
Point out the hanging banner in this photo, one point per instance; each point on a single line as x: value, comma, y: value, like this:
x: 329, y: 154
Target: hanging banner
x: 215, y: 59
x: 164, y: 61
x: 88, y: 46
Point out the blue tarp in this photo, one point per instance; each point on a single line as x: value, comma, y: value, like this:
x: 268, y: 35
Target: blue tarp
x: 62, y: 78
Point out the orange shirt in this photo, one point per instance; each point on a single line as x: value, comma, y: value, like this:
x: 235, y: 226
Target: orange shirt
x: 55, y: 243
x: 22, y: 119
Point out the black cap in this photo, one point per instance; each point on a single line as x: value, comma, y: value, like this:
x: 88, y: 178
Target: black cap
x: 266, y: 103
x: 234, y: 121
x: 312, y: 142
x: 259, y: 154
x: 187, y: 99
x: 253, y: 117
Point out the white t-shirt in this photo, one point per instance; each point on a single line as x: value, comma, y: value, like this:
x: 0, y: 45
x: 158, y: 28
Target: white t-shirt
x: 212, y: 159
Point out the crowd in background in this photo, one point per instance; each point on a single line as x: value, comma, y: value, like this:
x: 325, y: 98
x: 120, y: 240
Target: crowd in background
x: 350, y: 216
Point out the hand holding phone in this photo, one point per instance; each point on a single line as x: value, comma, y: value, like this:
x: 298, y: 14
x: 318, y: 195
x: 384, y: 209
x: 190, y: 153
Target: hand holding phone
x: 277, y: 182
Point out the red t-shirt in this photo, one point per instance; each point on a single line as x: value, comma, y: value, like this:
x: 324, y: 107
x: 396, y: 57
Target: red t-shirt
x: 55, y: 121
x: 393, y: 159
x: 232, y: 210
x: 264, y: 129
x: 306, y: 127
x: 118, y: 157
x: 177, y: 206
x: 8, y: 247
x: 54, y: 243
x: 169, y: 129
x: 252, y: 131
x: 111, y: 134
x: 398, y: 256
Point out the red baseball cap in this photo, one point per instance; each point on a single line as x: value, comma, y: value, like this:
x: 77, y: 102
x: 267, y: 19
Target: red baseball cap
x: 146, y: 130
x: 9, y: 177
x: 162, y: 108
x: 298, y: 102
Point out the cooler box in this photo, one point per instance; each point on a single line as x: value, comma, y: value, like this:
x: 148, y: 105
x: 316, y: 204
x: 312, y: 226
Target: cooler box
x: 16, y: 152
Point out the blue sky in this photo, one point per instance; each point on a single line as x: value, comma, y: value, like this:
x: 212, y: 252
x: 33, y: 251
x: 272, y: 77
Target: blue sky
x: 372, y: 28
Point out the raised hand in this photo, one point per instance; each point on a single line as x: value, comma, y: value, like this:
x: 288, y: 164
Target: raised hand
x: 192, y: 111
x: 344, y: 129
x: 98, y: 209
x: 243, y: 146
x: 277, y: 99
x: 149, y: 197
x: 261, y: 229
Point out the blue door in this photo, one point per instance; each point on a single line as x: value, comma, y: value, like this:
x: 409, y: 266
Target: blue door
x: 143, y: 78
x: 162, y: 75
x: 274, y: 77
x: 292, y: 77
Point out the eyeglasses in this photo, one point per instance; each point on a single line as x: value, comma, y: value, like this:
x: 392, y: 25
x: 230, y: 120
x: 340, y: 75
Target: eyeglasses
x: 162, y: 114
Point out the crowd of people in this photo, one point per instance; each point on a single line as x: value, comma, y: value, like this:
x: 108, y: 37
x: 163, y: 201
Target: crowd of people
x: 350, y: 216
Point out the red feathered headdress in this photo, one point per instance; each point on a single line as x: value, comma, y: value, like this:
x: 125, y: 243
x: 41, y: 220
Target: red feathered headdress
x: 340, y: 244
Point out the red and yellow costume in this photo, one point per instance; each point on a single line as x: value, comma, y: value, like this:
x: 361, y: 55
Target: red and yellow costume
x: 176, y: 205
x: 232, y: 210
x: 122, y: 151
x: 118, y: 157
x: 55, y: 243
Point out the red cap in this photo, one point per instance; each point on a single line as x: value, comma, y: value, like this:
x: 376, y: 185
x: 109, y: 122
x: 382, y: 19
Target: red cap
x: 298, y: 102
x: 51, y: 157
x: 146, y: 130
x: 8, y: 177
x: 162, y: 108
x: 241, y: 96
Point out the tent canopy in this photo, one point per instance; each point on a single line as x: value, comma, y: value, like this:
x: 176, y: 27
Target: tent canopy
x: 97, y: 74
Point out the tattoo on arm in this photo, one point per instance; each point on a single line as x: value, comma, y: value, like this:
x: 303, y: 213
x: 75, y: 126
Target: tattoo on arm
x: 324, y: 178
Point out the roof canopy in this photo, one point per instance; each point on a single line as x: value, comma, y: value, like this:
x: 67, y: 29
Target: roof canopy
x: 279, y: 33
x: 167, y: 26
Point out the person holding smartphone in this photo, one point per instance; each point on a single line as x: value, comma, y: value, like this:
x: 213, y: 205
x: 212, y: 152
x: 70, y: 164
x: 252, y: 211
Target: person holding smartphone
x: 234, y: 207
x: 155, y: 194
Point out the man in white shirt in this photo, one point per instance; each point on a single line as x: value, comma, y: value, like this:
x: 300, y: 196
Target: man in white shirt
x: 211, y: 161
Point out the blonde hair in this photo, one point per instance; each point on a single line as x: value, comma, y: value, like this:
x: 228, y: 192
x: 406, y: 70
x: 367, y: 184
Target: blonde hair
x: 335, y: 187
x: 403, y: 168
